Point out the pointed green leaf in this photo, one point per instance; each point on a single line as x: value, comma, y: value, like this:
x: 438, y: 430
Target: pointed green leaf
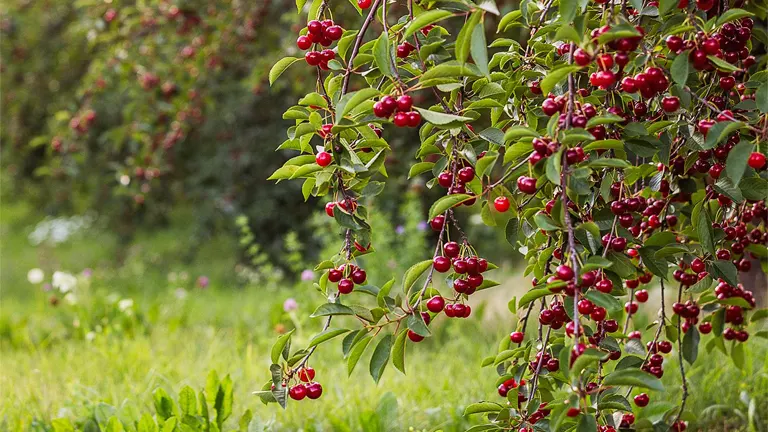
x: 380, y: 357
x: 280, y: 67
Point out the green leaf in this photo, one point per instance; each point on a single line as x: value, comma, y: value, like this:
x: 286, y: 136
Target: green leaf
x: 737, y: 355
x: 556, y: 75
x: 761, y: 97
x: 681, y: 68
x: 704, y: 231
x: 447, y: 202
x: 587, y: 423
x: 722, y: 64
x: 726, y: 187
x: 508, y: 19
x: 719, y: 132
x: 609, y: 163
x: 691, y: 345
x: 604, y: 119
x: 512, y: 231
x: 656, y: 265
x: 607, y: 301
x: 351, y: 100
x: 568, y: 10
x: 554, y: 168
x: 382, y: 55
x: 188, y: 401
x: 666, y: 6
x: 532, y: 295
x: 726, y: 270
x: 635, y: 378
x: 609, y: 144
x: 517, y: 131
x: 417, y: 324
x: 357, y: 351
x: 424, y: 19
x: 398, y: 350
x: 485, y: 165
x: 380, y: 357
x: 280, y: 67
x: 279, y: 346
x: 439, y: 118
x: 331, y: 309
x: 620, y: 31
x: 545, y: 222
x: 413, y: 273
x: 732, y: 15
x: 325, y: 336
x: 420, y: 168
x: 482, y: 407
x: 464, y: 38
x: 736, y: 163
x: 450, y: 70
x: 478, y: 48
x: 754, y: 188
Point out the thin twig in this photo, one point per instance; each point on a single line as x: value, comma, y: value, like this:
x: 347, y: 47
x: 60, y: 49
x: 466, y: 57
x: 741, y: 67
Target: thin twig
x: 358, y: 42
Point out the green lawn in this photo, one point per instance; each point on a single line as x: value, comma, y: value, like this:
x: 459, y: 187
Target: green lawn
x: 52, y: 367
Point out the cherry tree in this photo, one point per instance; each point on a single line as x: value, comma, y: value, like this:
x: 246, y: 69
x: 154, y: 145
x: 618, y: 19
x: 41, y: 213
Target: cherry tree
x: 620, y: 145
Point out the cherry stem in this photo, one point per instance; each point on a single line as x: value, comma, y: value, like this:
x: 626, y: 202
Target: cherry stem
x: 358, y: 42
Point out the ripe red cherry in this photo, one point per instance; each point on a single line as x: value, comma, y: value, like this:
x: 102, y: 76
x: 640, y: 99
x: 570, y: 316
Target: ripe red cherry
x: 549, y: 107
x: 315, y: 27
x: 436, y: 304
x: 564, y: 272
x: 604, y: 286
x: 641, y: 296
x: 297, y: 392
x: 314, y: 390
x: 629, y: 85
x: 441, y: 263
x: 437, y: 223
x: 501, y: 204
x: 359, y: 276
x: 313, y: 58
x: 705, y: 328
x: 414, y: 119
x: 400, y: 119
x: 323, y: 159
x: 334, y: 275
x: 572, y: 412
x: 670, y: 103
x: 346, y: 286
x: 642, y: 400
x: 415, y: 337
x: 404, y: 103
x: 363, y: 4
x: 517, y: 337
x: 451, y: 249
x: 306, y: 374
x: 674, y: 43
x: 445, y: 179
x: 329, y: 208
x: 466, y: 174
x: 598, y: 314
x: 303, y: 42
x: 581, y: 57
x: 333, y: 32
x: 585, y: 307
x: 526, y: 184
x: 756, y: 160
x: 705, y: 5
x: 605, y: 61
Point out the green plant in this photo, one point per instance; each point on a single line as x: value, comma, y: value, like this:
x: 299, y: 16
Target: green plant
x: 610, y: 162
x: 203, y: 411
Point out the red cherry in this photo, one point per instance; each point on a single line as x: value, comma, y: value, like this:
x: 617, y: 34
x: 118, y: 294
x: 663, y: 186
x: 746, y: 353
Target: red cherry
x: 445, y: 179
x: 629, y: 85
x: 604, y: 285
x: 466, y: 174
x: 314, y: 390
x: 581, y: 57
x: 517, y: 337
x: 436, y: 304
x: 642, y: 400
x: 297, y: 392
x: 572, y: 412
x: 641, y: 296
x: 359, y: 276
x: 674, y: 43
x: 329, y: 208
x: 363, y: 4
x: 346, y: 286
x: 303, y: 42
x: 312, y: 58
x: 756, y: 160
x: 323, y: 159
x: 437, y: 223
x: 401, y: 119
x: 315, y: 27
x: 404, y: 103
x: 670, y: 104
x: 705, y: 328
x: 526, y: 185
x: 414, y: 119
x: 441, y: 264
x: 306, y: 374
x: 501, y: 204
x: 564, y: 272
x: 549, y: 107
x: 333, y: 32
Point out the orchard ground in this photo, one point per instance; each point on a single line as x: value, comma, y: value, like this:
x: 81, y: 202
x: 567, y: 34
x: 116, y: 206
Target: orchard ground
x: 146, y: 323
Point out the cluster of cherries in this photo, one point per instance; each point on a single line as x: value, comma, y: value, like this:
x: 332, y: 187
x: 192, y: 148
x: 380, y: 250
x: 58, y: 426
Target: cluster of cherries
x: 307, y: 387
x: 348, y: 205
x: 347, y: 276
x: 400, y: 107
x: 729, y: 44
x: 323, y: 33
x: 457, y: 185
x: 405, y: 48
x: 452, y: 310
x: 535, y: 416
x: 655, y: 363
x: 468, y: 269
x: 415, y: 337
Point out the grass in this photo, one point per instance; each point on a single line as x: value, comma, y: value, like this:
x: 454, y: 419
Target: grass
x: 51, y: 368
